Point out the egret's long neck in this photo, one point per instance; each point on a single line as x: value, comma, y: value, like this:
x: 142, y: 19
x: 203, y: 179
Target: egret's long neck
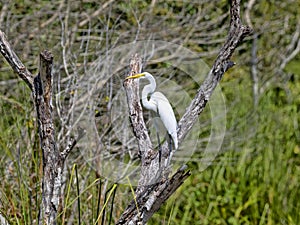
x: 148, y: 91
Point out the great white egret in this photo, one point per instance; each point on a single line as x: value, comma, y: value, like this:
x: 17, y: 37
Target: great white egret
x: 158, y: 103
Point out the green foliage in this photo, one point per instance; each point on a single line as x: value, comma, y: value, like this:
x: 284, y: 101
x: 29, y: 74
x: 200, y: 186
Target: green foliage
x: 20, y: 168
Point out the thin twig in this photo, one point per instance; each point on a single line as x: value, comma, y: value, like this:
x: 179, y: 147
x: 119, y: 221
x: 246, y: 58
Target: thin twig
x: 14, y: 61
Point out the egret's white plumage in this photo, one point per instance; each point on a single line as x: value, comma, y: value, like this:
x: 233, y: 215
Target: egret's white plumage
x: 158, y: 103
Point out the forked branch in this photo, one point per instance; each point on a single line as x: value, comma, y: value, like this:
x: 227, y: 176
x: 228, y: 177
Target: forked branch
x: 53, y: 159
x: 152, y: 195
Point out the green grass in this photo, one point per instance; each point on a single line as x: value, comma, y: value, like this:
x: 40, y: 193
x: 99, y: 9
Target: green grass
x: 261, y: 187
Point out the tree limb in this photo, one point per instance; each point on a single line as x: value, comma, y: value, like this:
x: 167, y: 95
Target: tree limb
x: 14, y: 61
x: 236, y: 34
x: 52, y: 160
x: 148, y: 202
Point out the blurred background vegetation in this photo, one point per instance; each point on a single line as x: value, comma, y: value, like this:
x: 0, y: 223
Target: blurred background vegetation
x: 255, y: 178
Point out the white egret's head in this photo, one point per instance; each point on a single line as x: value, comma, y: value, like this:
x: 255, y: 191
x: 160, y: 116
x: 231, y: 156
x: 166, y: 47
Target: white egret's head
x: 139, y: 75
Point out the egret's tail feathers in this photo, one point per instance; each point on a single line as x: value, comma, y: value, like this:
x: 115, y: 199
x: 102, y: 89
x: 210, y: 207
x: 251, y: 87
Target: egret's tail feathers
x: 176, y: 144
x: 175, y: 140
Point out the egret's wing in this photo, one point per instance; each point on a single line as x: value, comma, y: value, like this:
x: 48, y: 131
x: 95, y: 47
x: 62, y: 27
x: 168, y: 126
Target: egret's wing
x: 166, y: 114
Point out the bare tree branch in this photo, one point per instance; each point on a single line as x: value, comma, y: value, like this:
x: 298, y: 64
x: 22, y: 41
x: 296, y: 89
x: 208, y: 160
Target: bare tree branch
x: 14, y: 61
x: 148, y: 198
x: 254, y: 60
x: 293, y: 48
x: 72, y: 143
x: 52, y: 161
x: 95, y: 14
x: 247, y: 12
x: 254, y: 72
x: 236, y: 34
x: 152, y: 198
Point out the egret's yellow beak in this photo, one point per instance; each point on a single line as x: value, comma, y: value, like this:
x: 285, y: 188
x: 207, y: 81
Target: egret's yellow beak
x: 135, y: 76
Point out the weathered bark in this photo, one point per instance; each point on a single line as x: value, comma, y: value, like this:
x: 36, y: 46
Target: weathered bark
x: 148, y: 202
x: 53, y: 159
x: 151, y: 195
x: 14, y: 61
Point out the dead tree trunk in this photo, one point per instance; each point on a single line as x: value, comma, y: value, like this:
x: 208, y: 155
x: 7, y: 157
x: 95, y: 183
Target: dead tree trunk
x: 53, y: 159
x: 154, y: 186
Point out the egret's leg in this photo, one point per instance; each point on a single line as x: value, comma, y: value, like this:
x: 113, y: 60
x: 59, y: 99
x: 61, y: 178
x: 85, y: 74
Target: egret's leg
x: 170, y: 150
x: 170, y: 144
x: 156, y: 122
x: 159, y: 149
